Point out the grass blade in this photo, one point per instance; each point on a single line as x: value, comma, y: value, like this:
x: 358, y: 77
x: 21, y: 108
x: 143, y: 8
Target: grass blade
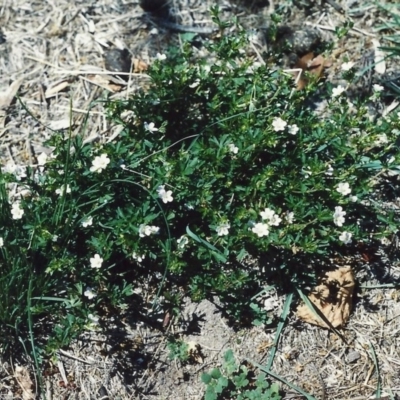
x: 283, y: 380
x: 376, y: 363
x: 285, y: 313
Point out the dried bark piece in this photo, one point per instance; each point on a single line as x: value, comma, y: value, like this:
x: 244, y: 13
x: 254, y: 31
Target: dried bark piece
x: 333, y: 297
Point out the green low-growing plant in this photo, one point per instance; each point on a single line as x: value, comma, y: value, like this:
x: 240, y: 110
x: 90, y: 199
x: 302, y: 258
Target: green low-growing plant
x: 233, y: 381
x: 222, y: 177
x: 178, y: 349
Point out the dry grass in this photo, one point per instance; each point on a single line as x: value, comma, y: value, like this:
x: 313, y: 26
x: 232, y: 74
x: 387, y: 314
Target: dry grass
x: 54, y: 53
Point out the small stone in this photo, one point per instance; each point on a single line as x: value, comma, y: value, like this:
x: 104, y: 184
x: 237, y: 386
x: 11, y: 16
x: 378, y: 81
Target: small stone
x: 299, y: 42
x: 353, y: 356
x: 155, y: 6
x: 118, y: 60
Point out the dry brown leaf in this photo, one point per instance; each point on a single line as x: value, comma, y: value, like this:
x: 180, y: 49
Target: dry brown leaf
x: 21, y: 375
x: 104, y: 82
x: 52, y: 91
x: 333, y: 297
x: 312, y: 65
x: 7, y: 97
x: 139, y: 66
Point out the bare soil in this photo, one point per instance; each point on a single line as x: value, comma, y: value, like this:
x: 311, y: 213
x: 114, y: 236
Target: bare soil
x: 56, y: 54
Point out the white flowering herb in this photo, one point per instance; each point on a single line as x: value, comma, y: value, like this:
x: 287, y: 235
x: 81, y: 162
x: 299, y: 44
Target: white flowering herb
x: 147, y: 230
x: 1, y: 242
x: 232, y: 148
x: 89, y: 293
x: 279, y: 124
x: 100, y: 163
x: 260, y: 229
x: 293, y: 129
x: 345, y: 237
x: 337, y: 91
x: 87, y: 222
x: 165, y: 195
x: 96, y: 261
x: 267, y: 213
x: 338, y: 216
x: 16, y: 211
x: 344, y: 188
x: 271, y: 217
x: 60, y: 191
x: 223, y: 229
x: 353, y: 198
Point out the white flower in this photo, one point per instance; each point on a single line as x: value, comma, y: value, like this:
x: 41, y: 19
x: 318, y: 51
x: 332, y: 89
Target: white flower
x: 42, y: 159
x: 195, y: 84
x: 260, y: 229
x: 182, y: 241
x: 337, y: 91
x: 232, y: 148
x: 338, y: 216
x: 345, y: 237
x: 165, y: 195
x: 87, y: 222
x: 147, y: 230
x: 270, y: 215
x: 353, y: 198
x: 377, y: 88
x: 293, y: 129
x: 94, y: 320
x: 1, y: 242
x: 223, y: 229
x: 343, y: 188
x: 161, y: 57
x: 329, y: 171
x: 89, y: 293
x: 347, y: 66
x: 289, y: 217
x: 279, y: 124
x: 275, y: 220
x: 16, y: 211
x: 96, y: 261
x: 99, y: 163
x: 150, y: 127
x: 137, y: 257
x: 60, y: 191
x: 267, y: 214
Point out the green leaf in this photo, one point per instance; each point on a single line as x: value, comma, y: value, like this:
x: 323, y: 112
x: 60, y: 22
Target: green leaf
x: 206, y: 378
x: 215, y: 373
